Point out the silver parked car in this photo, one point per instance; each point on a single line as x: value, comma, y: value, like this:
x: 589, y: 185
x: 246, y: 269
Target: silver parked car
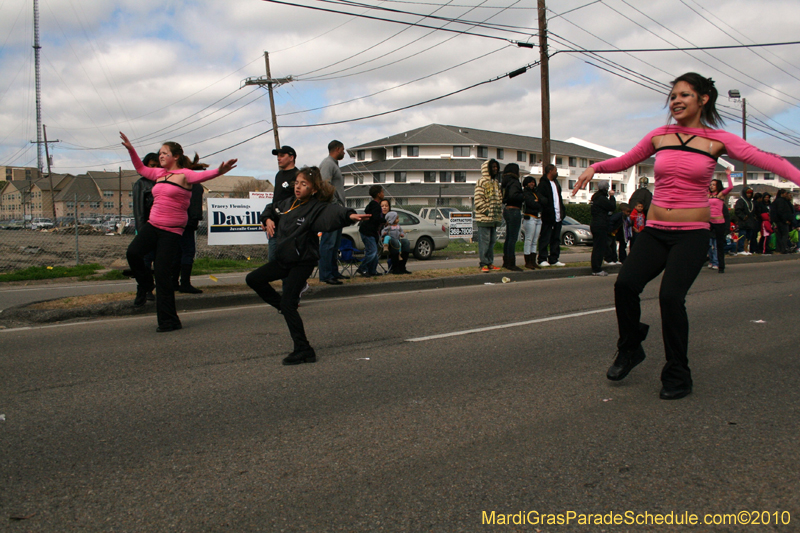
x: 573, y: 233
x: 425, y: 236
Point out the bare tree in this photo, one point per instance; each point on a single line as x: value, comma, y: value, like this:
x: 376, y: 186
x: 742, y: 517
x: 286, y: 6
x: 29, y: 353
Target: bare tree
x: 245, y: 186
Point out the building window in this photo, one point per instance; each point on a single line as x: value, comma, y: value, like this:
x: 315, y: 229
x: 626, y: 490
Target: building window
x: 361, y: 155
x: 584, y: 163
x: 500, y: 153
x: 379, y: 177
x: 621, y: 187
x: 399, y: 177
x: 592, y: 185
x: 520, y: 156
x: 397, y: 151
x: 559, y: 161
x: 94, y: 205
x: 130, y: 205
x: 130, y: 194
x: 572, y: 184
x: 573, y: 161
x: 429, y: 176
x: 768, y: 176
x: 445, y: 176
x: 412, y: 151
x: 483, y: 152
x: 460, y: 177
x: 751, y: 176
x: 460, y: 151
x: 108, y: 194
x: 108, y: 205
x: 531, y: 158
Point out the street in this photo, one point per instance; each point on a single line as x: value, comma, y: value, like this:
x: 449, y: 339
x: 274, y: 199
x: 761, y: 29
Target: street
x: 410, y: 420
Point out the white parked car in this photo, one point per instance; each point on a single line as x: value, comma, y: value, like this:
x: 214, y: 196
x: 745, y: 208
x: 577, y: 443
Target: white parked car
x: 41, y: 223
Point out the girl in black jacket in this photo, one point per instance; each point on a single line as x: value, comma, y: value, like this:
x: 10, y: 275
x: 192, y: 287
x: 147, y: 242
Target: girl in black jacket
x: 299, y: 219
x: 531, y: 221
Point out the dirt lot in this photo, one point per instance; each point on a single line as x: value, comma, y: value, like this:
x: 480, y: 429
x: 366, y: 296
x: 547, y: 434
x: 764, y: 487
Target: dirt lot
x: 25, y: 248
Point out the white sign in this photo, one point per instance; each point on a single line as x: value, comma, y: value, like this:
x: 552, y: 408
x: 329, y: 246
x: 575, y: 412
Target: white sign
x: 460, y: 225
x: 236, y: 221
x: 736, y: 174
x: 262, y: 195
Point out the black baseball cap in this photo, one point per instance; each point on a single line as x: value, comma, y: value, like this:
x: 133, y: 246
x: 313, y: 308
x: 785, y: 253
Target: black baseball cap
x: 285, y: 149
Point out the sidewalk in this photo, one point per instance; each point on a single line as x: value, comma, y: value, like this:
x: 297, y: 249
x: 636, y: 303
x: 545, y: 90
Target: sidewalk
x: 238, y: 294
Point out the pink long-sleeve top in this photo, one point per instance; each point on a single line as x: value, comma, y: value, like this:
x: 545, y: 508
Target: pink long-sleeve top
x: 718, y: 204
x: 170, y: 200
x: 683, y: 173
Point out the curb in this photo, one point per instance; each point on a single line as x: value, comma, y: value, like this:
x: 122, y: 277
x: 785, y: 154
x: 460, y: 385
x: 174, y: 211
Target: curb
x: 246, y: 297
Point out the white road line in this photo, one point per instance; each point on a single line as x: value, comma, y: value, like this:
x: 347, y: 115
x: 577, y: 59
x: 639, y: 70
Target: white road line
x: 511, y: 325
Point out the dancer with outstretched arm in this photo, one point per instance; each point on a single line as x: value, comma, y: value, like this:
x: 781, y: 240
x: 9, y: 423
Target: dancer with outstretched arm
x: 168, y: 217
x: 675, y: 239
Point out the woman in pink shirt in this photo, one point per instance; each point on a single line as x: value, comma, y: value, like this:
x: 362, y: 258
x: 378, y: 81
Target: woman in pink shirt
x: 719, y: 226
x: 162, y: 232
x: 676, y: 236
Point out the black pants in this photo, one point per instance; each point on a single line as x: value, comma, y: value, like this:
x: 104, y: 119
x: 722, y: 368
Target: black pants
x: 782, y: 237
x: 680, y: 255
x: 550, y: 238
x: 719, y: 232
x: 294, y: 279
x: 599, y: 246
x: 166, y: 246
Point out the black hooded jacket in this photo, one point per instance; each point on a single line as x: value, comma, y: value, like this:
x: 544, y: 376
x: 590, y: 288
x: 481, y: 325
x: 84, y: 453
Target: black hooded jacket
x: 142, y: 201
x: 512, y: 190
x: 602, y: 205
x: 746, y: 214
x: 296, y: 230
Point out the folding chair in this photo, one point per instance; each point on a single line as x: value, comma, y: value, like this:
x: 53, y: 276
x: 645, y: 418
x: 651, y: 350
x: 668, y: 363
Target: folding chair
x: 349, y: 257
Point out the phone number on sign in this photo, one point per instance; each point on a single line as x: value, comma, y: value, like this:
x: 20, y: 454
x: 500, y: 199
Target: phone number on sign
x: 460, y: 231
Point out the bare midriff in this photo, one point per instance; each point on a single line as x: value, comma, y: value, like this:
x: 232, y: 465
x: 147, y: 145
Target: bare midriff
x: 689, y: 214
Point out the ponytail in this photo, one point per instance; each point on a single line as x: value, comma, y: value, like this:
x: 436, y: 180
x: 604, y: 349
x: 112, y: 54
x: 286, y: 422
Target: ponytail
x: 182, y: 160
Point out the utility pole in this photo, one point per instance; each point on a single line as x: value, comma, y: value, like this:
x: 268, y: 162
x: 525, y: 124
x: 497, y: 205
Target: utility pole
x: 270, y: 83
x: 744, y: 136
x: 49, y: 173
x: 37, y: 49
x: 120, y: 195
x: 544, y: 69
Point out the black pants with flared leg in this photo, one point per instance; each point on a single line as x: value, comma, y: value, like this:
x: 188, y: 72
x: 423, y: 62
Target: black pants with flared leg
x: 680, y: 256
x: 719, y: 232
x: 294, y: 279
x: 166, y: 246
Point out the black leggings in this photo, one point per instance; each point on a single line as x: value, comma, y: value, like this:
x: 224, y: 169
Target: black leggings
x: 294, y: 279
x: 680, y: 255
x: 166, y: 246
x: 718, y: 232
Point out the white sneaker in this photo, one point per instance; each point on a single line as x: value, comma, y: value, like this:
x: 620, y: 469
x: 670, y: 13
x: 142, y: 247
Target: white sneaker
x: 601, y: 273
x: 715, y: 267
x: 544, y: 264
x: 304, y: 289
x: 559, y: 264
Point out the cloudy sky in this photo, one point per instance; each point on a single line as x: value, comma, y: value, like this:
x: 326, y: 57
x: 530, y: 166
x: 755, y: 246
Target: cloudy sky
x: 173, y: 70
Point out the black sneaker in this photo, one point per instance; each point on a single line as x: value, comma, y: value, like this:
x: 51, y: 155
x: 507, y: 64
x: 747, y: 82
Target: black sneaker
x: 189, y: 289
x: 141, y: 298
x: 302, y: 356
x: 675, y: 394
x: 624, y: 363
x: 169, y: 327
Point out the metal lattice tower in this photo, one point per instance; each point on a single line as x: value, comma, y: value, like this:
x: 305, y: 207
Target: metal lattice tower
x: 37, y: 48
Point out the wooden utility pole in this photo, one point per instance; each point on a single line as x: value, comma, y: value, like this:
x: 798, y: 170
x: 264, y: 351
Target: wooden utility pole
x: 50, y: 174
x: 544, y: 69
x: 744, y: 136
x: 120, y: 195
x: 271, y: 83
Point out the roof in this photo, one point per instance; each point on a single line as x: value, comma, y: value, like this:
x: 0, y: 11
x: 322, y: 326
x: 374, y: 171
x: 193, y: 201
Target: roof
x: 81, y: 187
x: 413, y: 163
x: 412, y: 190
x: 225, y: 183
x: 738, y: 166
x: 437, y: 134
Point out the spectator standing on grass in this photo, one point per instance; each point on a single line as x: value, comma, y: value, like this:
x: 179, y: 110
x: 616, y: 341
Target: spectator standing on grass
x: 369, y: 230
x: 553, y: 214
x: 782, y: 216
x: 330, y: 241
x: 512, y: 214
x: 603, y: 204
x: 531, y: 221
x: 488, y: 212
x: 142, y: 203
x: 284, y: 183
x: 184, y: 261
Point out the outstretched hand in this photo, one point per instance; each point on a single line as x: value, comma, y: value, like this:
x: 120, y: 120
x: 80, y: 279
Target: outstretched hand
x: 269, y: 227
x: 227, y: 166
x: 585, y: 178
x: 125, y: 142
x: 357, y: 218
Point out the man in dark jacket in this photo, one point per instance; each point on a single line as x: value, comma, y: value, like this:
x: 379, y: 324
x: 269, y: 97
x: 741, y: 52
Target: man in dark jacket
x: 512, y: 214
x: 782, y: 216
x: 182, y: 267
x: 370, y: 232
x: 603, y: 204
x: 747, y: 221
x: 552, y: 216
x: 142, y: 193
x: 283, y: 183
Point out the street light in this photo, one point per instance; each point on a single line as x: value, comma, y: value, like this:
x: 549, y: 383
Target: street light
x: 735, y: 95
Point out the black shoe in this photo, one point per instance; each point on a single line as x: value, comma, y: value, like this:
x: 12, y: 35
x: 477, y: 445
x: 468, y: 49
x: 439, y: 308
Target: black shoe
x: 624, y: 363
x: 127, y: 273
x: 302, y: 356
x: 332, y: 282
x: 141, y: 298
x: 342, y: 276
x: 168, y: 327
x: 675, y: 394
x: 188, y: 289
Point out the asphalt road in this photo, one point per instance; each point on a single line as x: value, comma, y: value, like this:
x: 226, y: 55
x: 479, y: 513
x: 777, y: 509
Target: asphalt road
x: 19, y: 294
x: 110, y: 426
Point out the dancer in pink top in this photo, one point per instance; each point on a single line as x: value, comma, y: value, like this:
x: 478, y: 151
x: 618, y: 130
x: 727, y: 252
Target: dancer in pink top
x: 168, y: 217
x: 675, y: 240
x: 717, y: 219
